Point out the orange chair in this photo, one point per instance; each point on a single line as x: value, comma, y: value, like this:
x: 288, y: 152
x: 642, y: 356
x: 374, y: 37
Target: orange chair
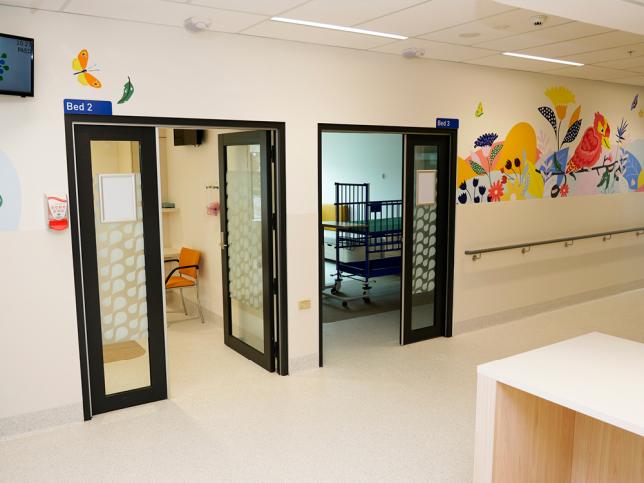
x: 188, y: 276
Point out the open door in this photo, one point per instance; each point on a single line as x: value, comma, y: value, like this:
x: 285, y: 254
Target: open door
x: 247, y: 224
x: 118, y: 211
x: 427, y: 272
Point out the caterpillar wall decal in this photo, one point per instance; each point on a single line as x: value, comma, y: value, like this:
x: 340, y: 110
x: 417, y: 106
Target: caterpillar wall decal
x: 560, y: 161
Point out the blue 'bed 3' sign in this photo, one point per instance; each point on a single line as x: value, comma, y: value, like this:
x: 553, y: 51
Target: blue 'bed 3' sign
x: 447, y: 123
x: 81, y: 106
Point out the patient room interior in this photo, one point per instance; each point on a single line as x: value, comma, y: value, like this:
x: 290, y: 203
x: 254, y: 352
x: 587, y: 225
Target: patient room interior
x: 192, y: 258
x: 361, y: 171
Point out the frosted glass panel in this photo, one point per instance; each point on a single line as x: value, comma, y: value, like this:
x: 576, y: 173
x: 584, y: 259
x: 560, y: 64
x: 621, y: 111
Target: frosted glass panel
x: 243, y: 205
x: 424, y: 245
x: 121, y: 267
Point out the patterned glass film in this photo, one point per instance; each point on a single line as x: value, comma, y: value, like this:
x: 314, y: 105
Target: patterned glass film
x: 118, y: 219
x: 244, y: 214
x: 424, y: 244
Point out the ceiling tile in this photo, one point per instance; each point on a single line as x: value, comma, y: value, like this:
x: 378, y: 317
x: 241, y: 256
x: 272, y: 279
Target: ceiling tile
x: 588, y: 72
x: 164, y: 13
x: 435, y: 15
x: 625, y: 15
x: 548, y: 35
x: 516, y: 63
x: 301, y: 33
x: 261, y: 7
x: 435, y: 50
x: 633, y: 81
x: 505, y: 24
x: 629, y: 63
x: 586, y: 44
x: 343, y: 12
x: 605, y: 55
x: 37, y: 4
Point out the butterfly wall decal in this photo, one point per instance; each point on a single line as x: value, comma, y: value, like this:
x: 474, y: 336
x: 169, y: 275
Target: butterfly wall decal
x: 82, y: 72
x: 479, y: 110
x: 634, y: 103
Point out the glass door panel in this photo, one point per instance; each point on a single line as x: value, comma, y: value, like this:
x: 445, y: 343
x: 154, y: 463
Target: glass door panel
x: 121, y: 264
x: 244, y: 213
x: 424, y: 237
x: 425, y: 282
x: 120, y: 241
x: 246, y: 184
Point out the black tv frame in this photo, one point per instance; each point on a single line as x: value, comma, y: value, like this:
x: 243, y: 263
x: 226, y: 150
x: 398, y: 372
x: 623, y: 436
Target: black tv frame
x: 33, y: 61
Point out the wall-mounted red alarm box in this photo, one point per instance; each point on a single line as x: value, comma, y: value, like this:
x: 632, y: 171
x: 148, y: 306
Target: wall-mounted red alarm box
x: 57, y: 213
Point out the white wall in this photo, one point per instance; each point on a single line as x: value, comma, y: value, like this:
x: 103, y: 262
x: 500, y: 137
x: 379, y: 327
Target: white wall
x: 234, y: 77
x: 374, y: 158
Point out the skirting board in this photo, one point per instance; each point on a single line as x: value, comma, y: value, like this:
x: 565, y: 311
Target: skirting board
x: 49, y: 418
x: 476, y: 323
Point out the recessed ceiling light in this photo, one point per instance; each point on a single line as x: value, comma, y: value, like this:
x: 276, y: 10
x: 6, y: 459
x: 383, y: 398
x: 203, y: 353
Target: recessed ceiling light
x: 338, y: 27
x: 543, y: 59
x: 469, y: 35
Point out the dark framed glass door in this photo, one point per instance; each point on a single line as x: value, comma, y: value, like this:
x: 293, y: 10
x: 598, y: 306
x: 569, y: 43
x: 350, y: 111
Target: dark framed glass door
x: 247, y: 238
x: 118, y: 210
x: 426, y: 281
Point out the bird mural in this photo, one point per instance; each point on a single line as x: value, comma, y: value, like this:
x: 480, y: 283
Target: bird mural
x: 590, y: 147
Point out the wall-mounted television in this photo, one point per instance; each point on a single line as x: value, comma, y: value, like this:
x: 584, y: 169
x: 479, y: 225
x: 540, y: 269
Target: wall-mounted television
x: 16, y: 65
x: 188, y: 137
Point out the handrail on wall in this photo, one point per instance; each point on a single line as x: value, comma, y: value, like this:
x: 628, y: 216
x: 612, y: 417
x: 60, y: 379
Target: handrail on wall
x: 567, y: 241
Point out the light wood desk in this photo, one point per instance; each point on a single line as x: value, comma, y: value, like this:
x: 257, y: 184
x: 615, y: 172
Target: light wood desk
x: 568, y: 412
x: 169, y: 253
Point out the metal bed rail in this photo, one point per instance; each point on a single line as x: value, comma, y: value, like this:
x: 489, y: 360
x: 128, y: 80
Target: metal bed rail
x: 567, y: 241
x: 386, y: 218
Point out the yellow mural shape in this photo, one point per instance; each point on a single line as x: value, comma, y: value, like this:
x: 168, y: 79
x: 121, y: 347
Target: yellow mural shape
x: 640, y: 181
x: 521, y: 139
x: 535, y: 182
x: 463, y: 171
x: 521, y: 143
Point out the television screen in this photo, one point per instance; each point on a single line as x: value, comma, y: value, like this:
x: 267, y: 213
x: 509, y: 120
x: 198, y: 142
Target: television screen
x: 188, y: 137
x: 16, y: 65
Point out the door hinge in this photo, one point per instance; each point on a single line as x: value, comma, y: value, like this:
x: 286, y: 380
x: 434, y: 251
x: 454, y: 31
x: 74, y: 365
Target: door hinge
x: 275, y: 285
x: 276, y: 349
x: 274, y: 221
x: 272, y: 153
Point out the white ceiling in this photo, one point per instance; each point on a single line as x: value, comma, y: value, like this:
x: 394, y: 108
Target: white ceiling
x: 469, y: 31
x: 625, y: 15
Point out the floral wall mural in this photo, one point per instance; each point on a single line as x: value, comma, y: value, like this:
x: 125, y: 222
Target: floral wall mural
x: 573, y: 152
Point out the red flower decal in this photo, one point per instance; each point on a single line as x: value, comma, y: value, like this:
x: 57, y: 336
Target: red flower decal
x: 564, y: 189
x: 496, y: 191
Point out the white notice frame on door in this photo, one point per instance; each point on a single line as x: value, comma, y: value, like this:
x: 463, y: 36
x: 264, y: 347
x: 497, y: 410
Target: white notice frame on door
x: 425, y: 187
x: 117, y: 194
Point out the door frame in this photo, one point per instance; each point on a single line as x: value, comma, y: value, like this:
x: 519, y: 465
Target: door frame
x: 279, y: 128
x: 452, y: 136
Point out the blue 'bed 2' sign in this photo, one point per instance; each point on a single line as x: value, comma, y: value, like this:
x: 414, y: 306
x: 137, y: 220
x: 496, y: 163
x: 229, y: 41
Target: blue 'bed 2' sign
x: 81, y: 106
x: 447, y: 123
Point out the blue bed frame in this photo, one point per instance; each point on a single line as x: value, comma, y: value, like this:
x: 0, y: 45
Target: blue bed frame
x: 375, y: 226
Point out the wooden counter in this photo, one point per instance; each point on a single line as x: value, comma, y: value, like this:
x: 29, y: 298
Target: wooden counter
x: 569, y: 412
